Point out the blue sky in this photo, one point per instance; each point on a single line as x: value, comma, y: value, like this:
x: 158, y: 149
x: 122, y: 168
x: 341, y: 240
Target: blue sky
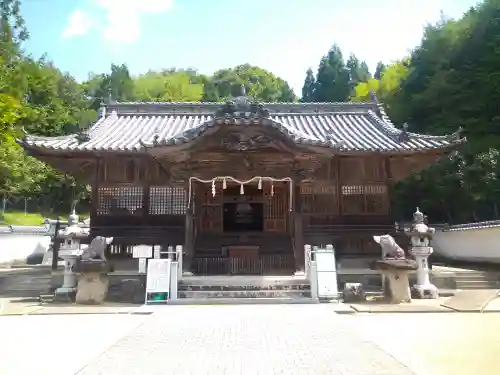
x: 283, y: 36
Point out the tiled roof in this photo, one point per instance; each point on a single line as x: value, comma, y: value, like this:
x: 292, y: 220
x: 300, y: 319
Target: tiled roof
x: 351, y: 127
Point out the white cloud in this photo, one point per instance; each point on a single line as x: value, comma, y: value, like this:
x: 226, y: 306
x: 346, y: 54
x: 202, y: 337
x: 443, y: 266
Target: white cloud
x: 79, y: 23
x: 122, y: 19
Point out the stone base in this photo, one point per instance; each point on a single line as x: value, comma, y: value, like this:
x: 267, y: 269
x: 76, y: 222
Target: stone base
x: 354, y: 292
x: 64, y: 294
x: 428, y: 291
x: 92, y: 288
x: 299, y: 273
x: 397, y: 287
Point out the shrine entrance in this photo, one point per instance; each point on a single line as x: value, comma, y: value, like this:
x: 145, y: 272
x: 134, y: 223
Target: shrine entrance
x: 243, y: 227
x: 243, y: 212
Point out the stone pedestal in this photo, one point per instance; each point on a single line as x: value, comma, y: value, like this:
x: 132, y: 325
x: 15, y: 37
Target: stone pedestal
x: 92, y: 288
x: 423, y: 287
x: 397, y: 288
x: 68, y: 290
x: 395, y: 273
x: 93, y: 282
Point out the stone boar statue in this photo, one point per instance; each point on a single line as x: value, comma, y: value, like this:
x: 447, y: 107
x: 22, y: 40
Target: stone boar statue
x: 390, y: 249
x: 97, y: 248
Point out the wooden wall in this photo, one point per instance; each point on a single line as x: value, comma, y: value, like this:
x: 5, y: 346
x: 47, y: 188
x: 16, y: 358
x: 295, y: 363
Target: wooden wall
x: 352, y: 190
x: 137, y: 191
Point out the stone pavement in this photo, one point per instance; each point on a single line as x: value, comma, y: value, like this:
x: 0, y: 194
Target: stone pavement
x: 248, y: 339
x: 436, y: 344
x: 58, y: 344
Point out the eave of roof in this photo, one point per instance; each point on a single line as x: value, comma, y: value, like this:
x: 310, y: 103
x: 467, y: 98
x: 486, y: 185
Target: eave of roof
x: 347, y: 127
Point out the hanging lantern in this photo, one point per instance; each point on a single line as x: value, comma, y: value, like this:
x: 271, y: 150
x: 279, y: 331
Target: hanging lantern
x: 213, y: 188
x: 242, y: 190
x: 259, y: 186
x: 224, y: 183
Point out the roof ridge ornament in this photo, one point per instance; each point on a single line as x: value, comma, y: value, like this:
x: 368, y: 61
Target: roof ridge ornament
x: 243, y: 90
x: 404, y: 136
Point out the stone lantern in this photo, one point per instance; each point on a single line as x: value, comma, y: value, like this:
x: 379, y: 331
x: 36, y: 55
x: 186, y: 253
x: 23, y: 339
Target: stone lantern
x: 420, y: 235
x: 70, y: 252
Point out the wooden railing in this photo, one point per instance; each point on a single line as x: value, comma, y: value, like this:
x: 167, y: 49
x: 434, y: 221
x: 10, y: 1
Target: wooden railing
x: 262, y: 265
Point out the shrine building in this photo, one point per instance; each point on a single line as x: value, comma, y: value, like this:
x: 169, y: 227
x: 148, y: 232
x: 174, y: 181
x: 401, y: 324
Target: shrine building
x: 242, y: 185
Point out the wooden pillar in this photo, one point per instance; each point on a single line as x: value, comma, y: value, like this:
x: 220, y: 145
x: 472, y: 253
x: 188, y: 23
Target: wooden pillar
x: 337, y: 177
x: 145, y: 180
x: 389, y: 183
x: 189, y: 237
x: 95, y: 191
x: 298, y: 235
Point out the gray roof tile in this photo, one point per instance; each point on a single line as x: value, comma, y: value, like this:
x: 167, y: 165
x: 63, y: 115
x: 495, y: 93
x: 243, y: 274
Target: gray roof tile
x: 356, y: 127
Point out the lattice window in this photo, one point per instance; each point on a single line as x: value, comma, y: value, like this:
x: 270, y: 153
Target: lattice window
x: 120, y: 200
x: 167, y: 200
x: 359, y: 199
x: 318, y: 198
x: 377, y: 200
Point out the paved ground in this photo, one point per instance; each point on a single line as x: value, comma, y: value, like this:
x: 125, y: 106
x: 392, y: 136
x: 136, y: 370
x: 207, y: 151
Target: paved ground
x: 58, y: 344
x: 252, y: 339
x: 436, y: 344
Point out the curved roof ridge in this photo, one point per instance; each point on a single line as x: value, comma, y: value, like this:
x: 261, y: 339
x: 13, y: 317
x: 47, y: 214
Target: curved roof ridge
x: 394, y: 131
x: 198, y: 130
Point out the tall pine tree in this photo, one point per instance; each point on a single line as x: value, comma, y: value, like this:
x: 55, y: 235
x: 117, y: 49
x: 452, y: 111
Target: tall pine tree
x: 332, y: 80
x: 309, y: 87
x: 379, y: 70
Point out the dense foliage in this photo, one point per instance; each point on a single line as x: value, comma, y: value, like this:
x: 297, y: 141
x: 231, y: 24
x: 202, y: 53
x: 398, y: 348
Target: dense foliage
x: 449, y: 81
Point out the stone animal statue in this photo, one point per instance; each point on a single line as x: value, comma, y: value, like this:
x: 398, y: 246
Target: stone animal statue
x: 390, y: 249
x: 97, y: 248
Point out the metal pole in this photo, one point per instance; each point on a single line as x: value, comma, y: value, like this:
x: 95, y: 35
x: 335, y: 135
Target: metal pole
x: 56, y: 244
x: 178, y: 250
x: 174, y: 266
x: 313, y: 279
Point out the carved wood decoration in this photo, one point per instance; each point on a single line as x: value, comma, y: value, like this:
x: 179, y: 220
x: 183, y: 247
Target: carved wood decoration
x: 239, y: 141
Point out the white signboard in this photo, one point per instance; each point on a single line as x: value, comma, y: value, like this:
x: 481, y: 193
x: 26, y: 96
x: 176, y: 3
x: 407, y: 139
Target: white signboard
x: 158, y: 281
x: 327, y: 273
x: 142, y: 251
x: 142, y: 265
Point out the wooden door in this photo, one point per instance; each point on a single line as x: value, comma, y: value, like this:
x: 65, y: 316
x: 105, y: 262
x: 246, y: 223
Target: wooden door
x: 276, y: 206
x: 208, y: 209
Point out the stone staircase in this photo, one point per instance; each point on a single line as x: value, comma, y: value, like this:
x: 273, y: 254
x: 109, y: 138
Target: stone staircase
x: 477, y: 280
x: 25, y: 282
x: 244, y: 289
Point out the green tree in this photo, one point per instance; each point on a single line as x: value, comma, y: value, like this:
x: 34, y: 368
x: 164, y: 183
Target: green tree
x: 167, y: 86
x: 260, y: 84
x: 379, y: 70
x: 309, y: 86
x: 333, y: 78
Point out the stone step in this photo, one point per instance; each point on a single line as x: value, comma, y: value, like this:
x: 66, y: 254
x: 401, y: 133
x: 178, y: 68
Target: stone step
x: 25, y: 284
x: 239, y: 301
x: 244, y: 294
x: 477, y: 284
x: 260, y: 281
x: 243, y: 288
x: 476, y: 276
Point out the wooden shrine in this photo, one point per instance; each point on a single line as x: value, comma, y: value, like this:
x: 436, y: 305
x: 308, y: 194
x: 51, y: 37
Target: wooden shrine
x: 243, y: 185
